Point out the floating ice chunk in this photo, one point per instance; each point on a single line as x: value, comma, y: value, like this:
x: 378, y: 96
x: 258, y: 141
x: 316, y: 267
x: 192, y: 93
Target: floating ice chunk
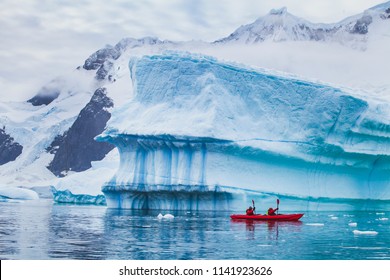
x: 380, y: 213
x: 315, y: 224
x: 334, y: 218
x: 166, y: 216
x: 383, y: 219
x: 18, y: 193
x: 367, y: 232
x: 67, y: 196
x: 352, y: 224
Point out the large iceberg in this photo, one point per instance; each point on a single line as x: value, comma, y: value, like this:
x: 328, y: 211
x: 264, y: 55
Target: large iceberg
x: 205, y: 134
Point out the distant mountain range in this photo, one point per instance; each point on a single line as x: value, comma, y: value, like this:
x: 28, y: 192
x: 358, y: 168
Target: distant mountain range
x: 279, y: 25
x: 52, y: 134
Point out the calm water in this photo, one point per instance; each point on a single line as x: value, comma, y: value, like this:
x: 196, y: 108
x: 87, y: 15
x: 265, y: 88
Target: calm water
x: 41, y: 230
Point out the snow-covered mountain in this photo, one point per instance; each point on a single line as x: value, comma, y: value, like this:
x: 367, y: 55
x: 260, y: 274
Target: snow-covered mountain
x: 49, y: 140
x: 279, y: 25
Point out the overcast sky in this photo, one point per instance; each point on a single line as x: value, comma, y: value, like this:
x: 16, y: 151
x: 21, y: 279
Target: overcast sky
x: 40, y: 39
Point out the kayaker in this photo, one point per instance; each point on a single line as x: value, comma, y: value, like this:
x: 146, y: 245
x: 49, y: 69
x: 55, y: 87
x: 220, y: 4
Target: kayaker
x: 250, y: 210
x: 271, y: 211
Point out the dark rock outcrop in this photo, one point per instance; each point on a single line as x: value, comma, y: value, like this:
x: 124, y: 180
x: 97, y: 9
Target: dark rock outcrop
x: 45, y: 96
x: 103, y: 59
x: 361, y: 26
x: 9, y: 149
x: 103, y: 71
x: 386, y: 14
x: 76, y: 149
x: 96, y: 60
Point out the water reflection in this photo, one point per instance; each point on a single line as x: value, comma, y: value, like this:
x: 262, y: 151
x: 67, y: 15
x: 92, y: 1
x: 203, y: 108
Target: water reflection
x: 140, y: 234
x: 271, y: 227
x: 41, y: 230
x: 9, y: 231
x: 76, y: 232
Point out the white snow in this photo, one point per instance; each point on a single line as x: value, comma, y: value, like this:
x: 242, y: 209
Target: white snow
x: 90, y: 181
x: 18, y: 193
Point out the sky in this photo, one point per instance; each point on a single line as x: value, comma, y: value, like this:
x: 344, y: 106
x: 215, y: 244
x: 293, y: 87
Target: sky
x: 42, y: 39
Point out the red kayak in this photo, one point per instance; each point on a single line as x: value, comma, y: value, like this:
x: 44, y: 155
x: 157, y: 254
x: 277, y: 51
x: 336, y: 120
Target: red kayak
x: 279, y: 217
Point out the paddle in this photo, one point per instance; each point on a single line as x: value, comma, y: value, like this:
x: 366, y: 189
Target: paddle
x: 277, y: 205
x: 253, y: 203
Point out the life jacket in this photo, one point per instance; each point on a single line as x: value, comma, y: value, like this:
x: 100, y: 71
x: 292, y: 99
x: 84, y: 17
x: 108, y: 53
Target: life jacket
x: 271, y: 211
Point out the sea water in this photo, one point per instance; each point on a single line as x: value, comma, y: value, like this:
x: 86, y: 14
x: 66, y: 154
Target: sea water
x: 43, y: 230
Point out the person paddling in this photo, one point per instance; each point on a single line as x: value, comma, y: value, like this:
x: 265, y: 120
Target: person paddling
x: 271, y: 211
x: 250, y: 211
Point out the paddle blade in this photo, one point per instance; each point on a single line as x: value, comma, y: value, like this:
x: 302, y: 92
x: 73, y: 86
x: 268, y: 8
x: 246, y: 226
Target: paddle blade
x: 277, y: 201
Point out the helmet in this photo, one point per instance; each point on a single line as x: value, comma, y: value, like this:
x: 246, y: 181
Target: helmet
x: 250, y: 207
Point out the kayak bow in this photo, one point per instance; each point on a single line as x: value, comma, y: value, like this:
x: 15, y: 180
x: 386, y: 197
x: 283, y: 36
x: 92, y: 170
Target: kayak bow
x: 280, y: 217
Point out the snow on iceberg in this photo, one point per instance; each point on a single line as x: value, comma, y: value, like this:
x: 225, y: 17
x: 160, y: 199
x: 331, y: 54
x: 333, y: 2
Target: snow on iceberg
x: 204, y: 134
x: 17, y: 193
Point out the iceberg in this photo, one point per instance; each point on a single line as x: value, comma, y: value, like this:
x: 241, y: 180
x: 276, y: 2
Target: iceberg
x: 17, y: 193
x: 206, y: 134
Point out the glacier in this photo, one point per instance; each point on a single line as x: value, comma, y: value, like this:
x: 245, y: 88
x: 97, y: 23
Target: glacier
x: 206, y: 134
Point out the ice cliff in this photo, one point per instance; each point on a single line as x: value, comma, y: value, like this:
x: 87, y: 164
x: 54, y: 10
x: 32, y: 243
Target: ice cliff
x: 200, y: 133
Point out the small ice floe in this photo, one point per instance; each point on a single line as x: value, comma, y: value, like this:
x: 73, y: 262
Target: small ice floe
x: 352, y: 224
x: 379, y: 213
x: 315, y: 224
x: 334, y: 218
x: 18, y: 193
x: 366, y: 232
x: 383, y: 219
x: 166, y: 216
